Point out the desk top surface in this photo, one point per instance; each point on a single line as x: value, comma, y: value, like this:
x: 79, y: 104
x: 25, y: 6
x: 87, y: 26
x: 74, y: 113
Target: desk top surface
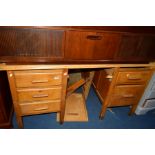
x: 4, y: 66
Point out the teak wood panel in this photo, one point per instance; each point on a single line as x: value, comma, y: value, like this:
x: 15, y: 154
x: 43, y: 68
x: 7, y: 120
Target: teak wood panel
x: 147, y: 48
x: 136, y: 47
x: 91, y: 45
x: 128, y: 46
x: 30, y: 42
x: 47, y: 44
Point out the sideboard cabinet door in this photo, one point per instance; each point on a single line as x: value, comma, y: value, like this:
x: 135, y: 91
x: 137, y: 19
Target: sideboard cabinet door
x: 147, y: 47
x: 31, y: 42
x: 83, y: 45
x: 134, y: 47
x: 128, y: 49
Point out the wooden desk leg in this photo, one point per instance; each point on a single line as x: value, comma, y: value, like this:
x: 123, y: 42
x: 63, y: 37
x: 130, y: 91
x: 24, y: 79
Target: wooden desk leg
x: 104, y: 108
x: 133, y: 108
x: 11, y: 79
x: 63, y: 95
x: 87, y: 85
x: 19, y: 121
x: 103, y: 111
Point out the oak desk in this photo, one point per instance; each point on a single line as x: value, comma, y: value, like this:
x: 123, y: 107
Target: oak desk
x: 11, y: 68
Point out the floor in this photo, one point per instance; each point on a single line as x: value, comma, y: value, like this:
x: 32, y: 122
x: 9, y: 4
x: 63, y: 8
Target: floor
x: 117, y: 118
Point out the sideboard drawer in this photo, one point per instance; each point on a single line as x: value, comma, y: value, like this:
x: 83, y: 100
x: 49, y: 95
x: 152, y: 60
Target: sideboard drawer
x: 38, y: 78
x: 133, y: 77
x: 38, y: 94
x: 40, y: 107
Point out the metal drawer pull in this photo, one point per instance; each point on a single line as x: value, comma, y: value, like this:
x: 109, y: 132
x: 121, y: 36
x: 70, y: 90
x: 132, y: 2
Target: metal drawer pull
x: 56, y: 77
x: 94, y: 37
x: 128, y: 96
x: 39, y: 81
x: 132, y: 77
x: 40, y: 95
x: 38, y: 109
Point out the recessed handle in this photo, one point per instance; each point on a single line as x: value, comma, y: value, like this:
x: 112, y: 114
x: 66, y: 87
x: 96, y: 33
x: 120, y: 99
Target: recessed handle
x: 39, y: 81
x: 94, y: 37
x: 40, y: 95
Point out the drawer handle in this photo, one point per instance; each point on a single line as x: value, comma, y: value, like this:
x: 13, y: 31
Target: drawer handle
x: 128, y: 96
x: 56, y: 78
x: 133, y: 77
x: 39, y: 81
x: 109, y: 77
x: 40, y: 95
x: 39, y: 109
x: 94, y: 37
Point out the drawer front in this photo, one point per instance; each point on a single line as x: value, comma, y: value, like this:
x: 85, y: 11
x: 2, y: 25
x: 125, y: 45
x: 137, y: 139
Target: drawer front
x: 132, y: 77
x: 40, y: 107
x: 28, y: 95
x: 38, y: 78
x: 117, y: 101
x: 126, y: 95
x: 87, y: 45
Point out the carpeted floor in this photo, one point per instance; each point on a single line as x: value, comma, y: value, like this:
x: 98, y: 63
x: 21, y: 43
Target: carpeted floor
x: 116, y: 119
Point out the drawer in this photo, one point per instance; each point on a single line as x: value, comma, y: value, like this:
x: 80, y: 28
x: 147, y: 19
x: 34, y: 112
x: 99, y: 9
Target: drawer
x: 120, y: 101
x: 133, y: 77
x: 126, y: 95
x: 38, y: 78
x: 40, y: 107
x: 39, y: 94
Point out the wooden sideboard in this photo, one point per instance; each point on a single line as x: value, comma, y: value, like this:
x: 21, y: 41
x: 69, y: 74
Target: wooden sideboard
x: 77, y: 44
